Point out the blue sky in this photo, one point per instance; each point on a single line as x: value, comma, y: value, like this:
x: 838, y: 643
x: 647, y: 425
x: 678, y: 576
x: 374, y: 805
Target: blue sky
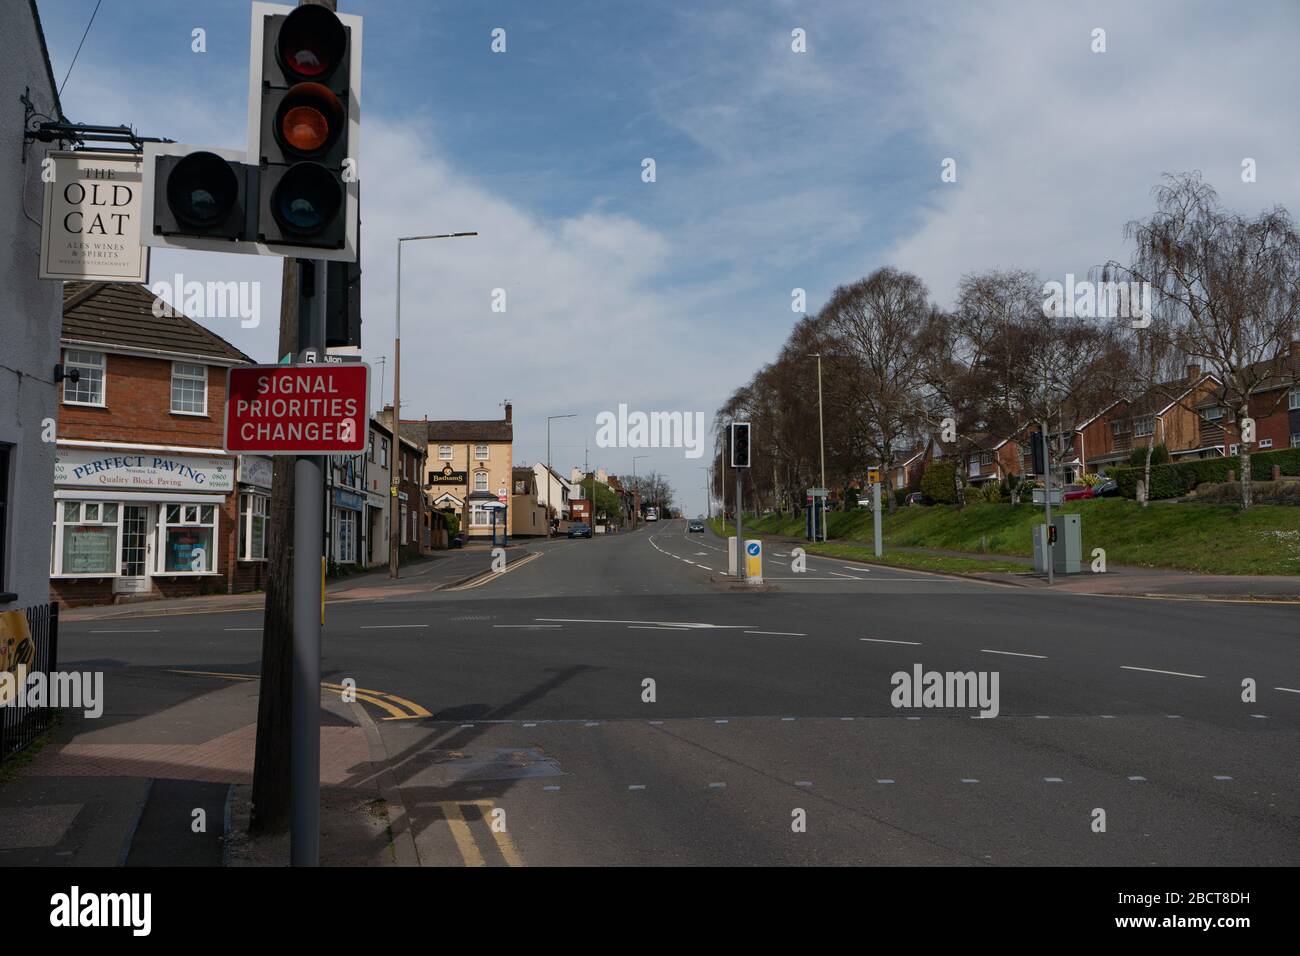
x: 775, y: 170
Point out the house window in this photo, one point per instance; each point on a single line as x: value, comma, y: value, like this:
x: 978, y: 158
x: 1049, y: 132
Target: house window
x: 444, y: 453
x: 521, y: 487
x: 346, y: 537
x: 1266, y: 443
x: 370, y: 451
x: 402, y: 523
x: 1144, y: 426
x: 254, y: 513
x: 480, y: 516
x: 480, y: 481
x: 1295, y: 441
x: 1212, y: 414
x: 189, y: 389
x: 86, y: 538
x: 1233, y: 449
x: 89, y: 388
x: 480, y: 452
x: 383, y: 452
x: 1293, y: 398
x: 189, y: 534
x: 1119, y: 428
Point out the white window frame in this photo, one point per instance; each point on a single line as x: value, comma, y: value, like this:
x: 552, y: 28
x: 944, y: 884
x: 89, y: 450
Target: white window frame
x: 85, y: 361
x: 444, y: 452
x: 56, y: 550
x: 190, y: 516
x: 1234, y: 449
x: 1214, y: 413
x: 480, y: 481
x: 1293, y: 399
x: 383, y: 452
x: 1295, y: 440
x: 188, y: 377
x: 1144, y: 427
x: 345, y: 544
x: 481, y: 451
x: 249, y: 502
x: 480, y: 516
x: 1266, y: 443
x: 370, y: 448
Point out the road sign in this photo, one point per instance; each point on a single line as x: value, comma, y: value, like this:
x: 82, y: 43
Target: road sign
x: 1040, y: 493
x: 754, y: 561
x: 873, y: 476
x: 316, y: 409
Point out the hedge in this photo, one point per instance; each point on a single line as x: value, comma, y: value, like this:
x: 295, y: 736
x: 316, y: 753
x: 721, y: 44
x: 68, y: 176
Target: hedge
x: 1175, y: 480
x: 939, y: 483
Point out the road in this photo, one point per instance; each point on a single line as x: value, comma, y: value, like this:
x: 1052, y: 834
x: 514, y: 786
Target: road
x: 773, y: 709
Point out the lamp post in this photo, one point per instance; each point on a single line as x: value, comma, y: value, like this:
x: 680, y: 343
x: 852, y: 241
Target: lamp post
x: 636, y: 490
x: 393, y: 501
x: 549, y: 476
x: 821, y: 440
x: 708, y: 490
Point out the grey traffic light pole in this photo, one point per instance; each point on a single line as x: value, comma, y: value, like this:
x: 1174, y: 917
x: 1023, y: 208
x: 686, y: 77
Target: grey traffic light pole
x: 308, y: 609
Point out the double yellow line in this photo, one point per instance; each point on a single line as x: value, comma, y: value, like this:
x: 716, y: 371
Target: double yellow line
x: 463, y: 834
x: 398, y: 708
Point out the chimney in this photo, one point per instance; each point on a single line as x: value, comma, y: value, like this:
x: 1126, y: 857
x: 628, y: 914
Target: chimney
x: 1193, y: 372
x: 509, y: 411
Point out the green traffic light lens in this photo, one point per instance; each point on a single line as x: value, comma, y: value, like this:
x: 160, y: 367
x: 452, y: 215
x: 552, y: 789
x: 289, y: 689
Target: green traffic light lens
x: 307, y: 199
x: 202, y: 189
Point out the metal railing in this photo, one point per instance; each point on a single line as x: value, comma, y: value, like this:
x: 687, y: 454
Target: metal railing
x: 36, y: 653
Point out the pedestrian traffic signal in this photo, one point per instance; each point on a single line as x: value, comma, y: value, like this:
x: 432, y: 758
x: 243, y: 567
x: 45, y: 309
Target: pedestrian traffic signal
x: 304, y: 143
x: 739, y: 444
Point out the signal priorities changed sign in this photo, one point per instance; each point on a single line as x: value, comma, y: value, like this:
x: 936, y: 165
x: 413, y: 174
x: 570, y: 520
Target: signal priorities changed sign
x: 297, y: 409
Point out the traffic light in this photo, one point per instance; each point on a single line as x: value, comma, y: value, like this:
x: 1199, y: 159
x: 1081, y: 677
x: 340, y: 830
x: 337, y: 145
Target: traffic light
x: 304, y: 128
x: 343, y: 305
x: 1036, y: 452
x: 739, y: 444
x: 203, y: 194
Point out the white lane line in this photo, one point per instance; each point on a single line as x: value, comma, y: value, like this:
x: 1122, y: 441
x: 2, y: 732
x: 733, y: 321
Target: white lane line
x: 1138, y: 779
x: 530, y: 725
x: 779, y: 633
x: 788, y: 718
x: 655, y: 627
x: 703, y: 568
x: 1289, y: 690
x: 989, y: 650
x: 241, y: 628
x: 636, y: 786
x: 849, y: 576
x: 531, y: 627
x: 886, y: 780
x: 1152, y: 670
x: 389, y: 627
x: 803, y: 783
x: 969, y: 780
x: 881, y: 640
x: 720, y: 721
x: 1221, y: 777
x: 155, y: 631
x: 1053, y: 780
x: 594, y: 620
x: 552, y: 788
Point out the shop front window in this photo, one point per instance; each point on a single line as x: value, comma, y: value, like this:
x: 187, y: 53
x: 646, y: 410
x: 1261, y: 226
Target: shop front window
x: 86, y: 537
x: 254, y: 511
x: 189, y: 539
x: 347, y: 537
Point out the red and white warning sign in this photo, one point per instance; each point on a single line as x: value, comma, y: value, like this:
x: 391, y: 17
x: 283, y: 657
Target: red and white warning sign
x: 297, y: 409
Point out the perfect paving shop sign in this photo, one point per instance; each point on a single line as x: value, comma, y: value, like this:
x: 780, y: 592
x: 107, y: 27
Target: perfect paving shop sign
x: 91, y: 226
x: 315, y: 409
x: 96, y: 468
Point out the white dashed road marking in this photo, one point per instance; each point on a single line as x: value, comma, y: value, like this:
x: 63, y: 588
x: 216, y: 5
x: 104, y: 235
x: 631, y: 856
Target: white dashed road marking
x: 989, y: 650
x: 1152, y: 670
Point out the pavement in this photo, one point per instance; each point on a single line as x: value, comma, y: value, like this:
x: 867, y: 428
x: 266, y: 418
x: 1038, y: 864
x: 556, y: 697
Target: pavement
x: 609, y: 702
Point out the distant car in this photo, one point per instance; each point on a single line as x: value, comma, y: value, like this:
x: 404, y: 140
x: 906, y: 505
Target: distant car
x: 695, y: 525
x: 915, y: 498
x: 1077, y: 492
x: 580, y: 531
x: 1107, y: 489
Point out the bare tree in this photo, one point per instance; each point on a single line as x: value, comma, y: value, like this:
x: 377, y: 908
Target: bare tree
x: 1234, y: 284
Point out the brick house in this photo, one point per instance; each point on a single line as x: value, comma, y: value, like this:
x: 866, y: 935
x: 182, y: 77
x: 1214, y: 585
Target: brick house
x: 414, y: 522
x: 470, y: 468
x: 1274, y: 405
x: 146, y: 500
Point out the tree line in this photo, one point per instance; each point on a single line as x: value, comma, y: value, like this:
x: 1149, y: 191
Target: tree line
x: 1203, y: 286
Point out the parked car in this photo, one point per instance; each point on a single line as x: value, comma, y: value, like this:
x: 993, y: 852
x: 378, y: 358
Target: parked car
x: 915, y: 498
x: 1076, y: 492
x: 696, y: 525
x: 1107, y: 489
x: 580, y: 530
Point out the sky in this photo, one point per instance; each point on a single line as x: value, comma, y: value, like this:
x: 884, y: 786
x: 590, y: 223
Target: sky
x: 775, y: 170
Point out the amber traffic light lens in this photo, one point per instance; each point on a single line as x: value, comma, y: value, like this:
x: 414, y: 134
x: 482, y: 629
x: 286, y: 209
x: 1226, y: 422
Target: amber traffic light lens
x: 305, y: 129
x: 309, y: 119
x: 312, y: 41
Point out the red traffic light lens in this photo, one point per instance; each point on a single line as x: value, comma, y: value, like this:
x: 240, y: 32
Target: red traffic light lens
x: 309, y: 119
x: 307, y: 199
x: 202, y: 189
x: 311, y: 42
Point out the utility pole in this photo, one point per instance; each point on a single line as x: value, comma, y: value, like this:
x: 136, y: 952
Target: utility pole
x: 821, y: 441
x: 1047, y: 501
x: 636, y: 490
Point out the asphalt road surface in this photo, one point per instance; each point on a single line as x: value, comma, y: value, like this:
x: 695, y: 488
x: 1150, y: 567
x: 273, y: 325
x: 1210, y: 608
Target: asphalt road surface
x: 606, y: 701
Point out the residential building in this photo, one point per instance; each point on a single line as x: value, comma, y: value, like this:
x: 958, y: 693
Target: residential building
x: 29, y: 317
x: 553, y: 491
x: 527, y: 514
x: 990, y: 459
x: 1274, y: 405
x: 1167, y: 414
x: 346, y: 529
x: 147, y: 502
x: 378, y: 481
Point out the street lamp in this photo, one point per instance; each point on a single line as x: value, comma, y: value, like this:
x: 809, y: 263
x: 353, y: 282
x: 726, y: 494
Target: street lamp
x: 708, y: 490
x: 549, y: 476
x: 397, y: 401
x: 821, y: 439
x: 636, y: 490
